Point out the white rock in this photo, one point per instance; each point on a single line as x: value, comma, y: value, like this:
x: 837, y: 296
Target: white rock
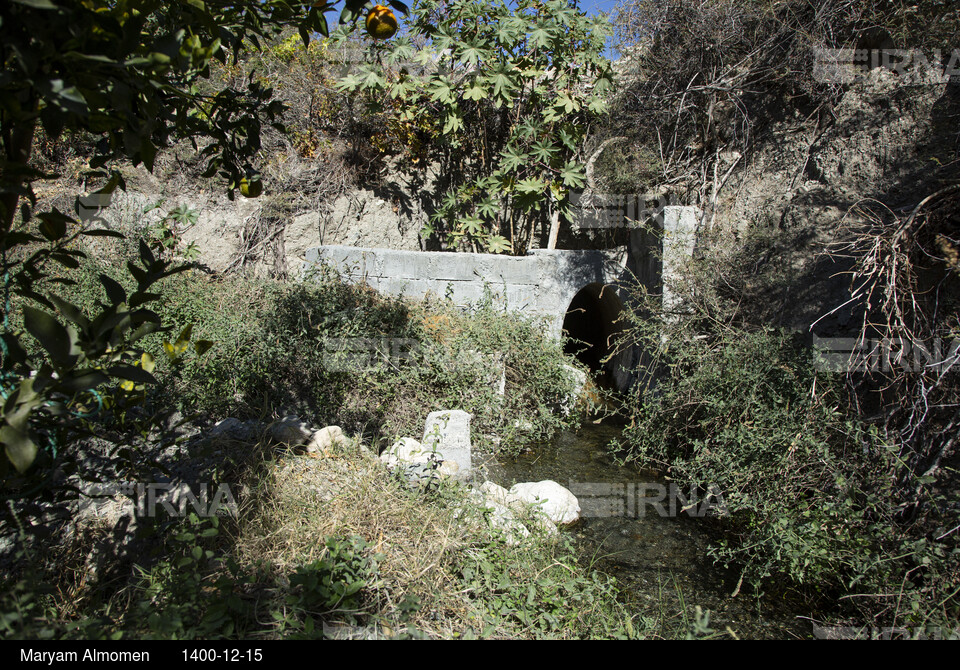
x: 578, y: 379
x: 448, y: 469
x: 235, y: 429
x: 503, y: 519
x: 559, y: 504
x: 325, y: 439
x: 509, y: 512
x: 408, y: 450
x: 290, y: 430
x: 497, y: 494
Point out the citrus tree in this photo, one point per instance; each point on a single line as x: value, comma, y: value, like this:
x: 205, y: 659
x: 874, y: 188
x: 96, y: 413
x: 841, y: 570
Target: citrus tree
x: 507, y: 93
x: 135, y: 76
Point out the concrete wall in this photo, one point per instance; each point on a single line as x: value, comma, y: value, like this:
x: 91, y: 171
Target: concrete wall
x: 541, y: 284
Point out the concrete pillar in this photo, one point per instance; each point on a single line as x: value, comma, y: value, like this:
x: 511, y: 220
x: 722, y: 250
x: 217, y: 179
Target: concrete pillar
x: 679, y: 242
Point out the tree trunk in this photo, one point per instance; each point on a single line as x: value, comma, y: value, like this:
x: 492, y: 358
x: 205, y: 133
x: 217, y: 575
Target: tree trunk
x: 554, y: 223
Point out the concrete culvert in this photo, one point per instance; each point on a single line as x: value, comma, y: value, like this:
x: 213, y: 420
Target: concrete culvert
x: 592, y: 326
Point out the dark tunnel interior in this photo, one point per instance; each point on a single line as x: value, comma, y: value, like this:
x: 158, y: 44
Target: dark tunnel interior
x: 591, y: 326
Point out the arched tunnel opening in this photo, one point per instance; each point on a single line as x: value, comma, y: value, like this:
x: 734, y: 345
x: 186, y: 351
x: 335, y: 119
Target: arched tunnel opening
x: 592, y: 325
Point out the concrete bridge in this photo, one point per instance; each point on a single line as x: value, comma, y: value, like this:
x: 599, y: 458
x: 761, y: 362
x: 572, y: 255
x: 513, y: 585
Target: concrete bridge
x: 578, y: 293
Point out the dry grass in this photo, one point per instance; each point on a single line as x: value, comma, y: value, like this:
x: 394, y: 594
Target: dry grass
x: 303, y: 500
x: 431, y: 550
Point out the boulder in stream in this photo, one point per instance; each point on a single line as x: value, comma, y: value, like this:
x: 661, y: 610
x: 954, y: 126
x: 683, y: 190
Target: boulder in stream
x: 557, y: 502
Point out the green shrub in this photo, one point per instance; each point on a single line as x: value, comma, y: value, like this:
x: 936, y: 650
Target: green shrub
x: 272, y: 345
x: 539, y: 590
x: 809, y: 490
x: 803, y: 484
x: 334, y: 583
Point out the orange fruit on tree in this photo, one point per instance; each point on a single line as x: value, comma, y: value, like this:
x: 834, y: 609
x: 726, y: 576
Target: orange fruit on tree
x: 381, y: 23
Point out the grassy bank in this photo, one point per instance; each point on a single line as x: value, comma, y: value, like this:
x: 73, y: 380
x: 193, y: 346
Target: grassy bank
x: 319, y: 547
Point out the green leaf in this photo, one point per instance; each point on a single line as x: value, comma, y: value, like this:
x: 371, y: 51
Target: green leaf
x: 70, y: 311
x: 497, y: 244
x: 471, y: 55
x: 441, y: 90
x: 175, y: 350
x: 543, y: 150
x: 488, y: 208
x: 131, y: 373
x: 572, y: 175
x: 452, y: 124
x: 19, y: 447
x: 597, y: 105
x: 539, y: 37
x: 531, y: 185
x: 351, y: 12
x: 114, y: 290
x: 67, y: 99
x: 52, y: 336
x: 502, y: 85
x: 512, y: 158
x: 565, y: 102
x: 144, y: 330
x: 475, y: 92
x: 36, y: 4
x: 401, y: 89
x: 372, y: 78
x: 83, y: 380
x: 567, y: 139
x: 349, y: 83
x: 402, y: 51
x: 185, y: 334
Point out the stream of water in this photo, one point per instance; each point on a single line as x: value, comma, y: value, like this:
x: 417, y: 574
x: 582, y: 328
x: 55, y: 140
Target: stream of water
x: 659, y: 558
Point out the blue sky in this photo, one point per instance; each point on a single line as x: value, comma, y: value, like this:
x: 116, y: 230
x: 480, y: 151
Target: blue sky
x: 594, y: 6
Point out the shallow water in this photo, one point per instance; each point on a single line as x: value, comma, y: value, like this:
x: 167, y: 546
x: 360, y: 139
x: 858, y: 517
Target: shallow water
x: 658, y: 555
